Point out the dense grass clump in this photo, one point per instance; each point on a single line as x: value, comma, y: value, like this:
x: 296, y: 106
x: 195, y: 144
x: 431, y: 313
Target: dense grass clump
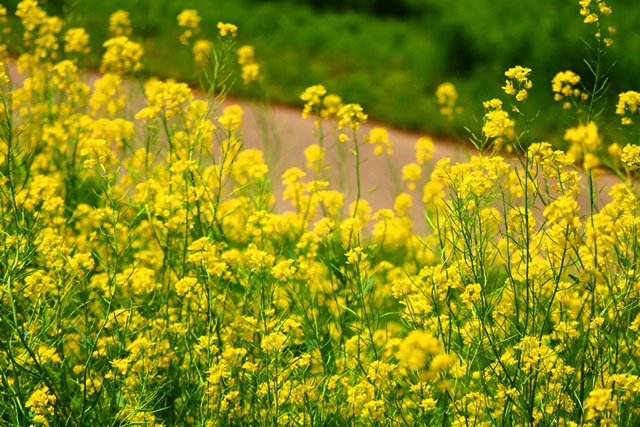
x: 152, y: 275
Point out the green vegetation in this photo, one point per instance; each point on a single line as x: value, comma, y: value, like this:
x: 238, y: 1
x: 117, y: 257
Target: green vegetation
x: 152, y: 274
x: 391, y: 65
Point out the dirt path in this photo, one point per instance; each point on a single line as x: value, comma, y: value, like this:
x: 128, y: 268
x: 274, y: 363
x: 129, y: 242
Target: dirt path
x: 282, y: 133
x: 376, y: 171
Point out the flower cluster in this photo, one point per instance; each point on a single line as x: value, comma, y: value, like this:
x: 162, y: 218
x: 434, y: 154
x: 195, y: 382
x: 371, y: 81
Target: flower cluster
x: 593, y: 12
x: 351, y: 115
x: 519, y: 75
x: 152, y: 274
x: 167, y: 97
x: 190, y: 20
x: 380, y: 138
x: 227, y: 29
x: 121, y: 56
x: 447, y: 96
x: 585, y: 141
x: 627, y: 107
x: 120, y: 24
x: 76, y: 40
x: 250, y: 69
x: 497, y: 122
x: 563, y: 86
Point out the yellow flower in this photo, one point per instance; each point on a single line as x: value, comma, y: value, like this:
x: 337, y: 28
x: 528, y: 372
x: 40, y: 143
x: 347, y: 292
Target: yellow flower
x: 98, y: 152
x: 628, y: 105
x: 412, y: 173
x: 433, y: 193
x: 331, y: 104
x: 563, y: 84
x: 273, y: 342
x: 471, y: 294
x: 227, y: 29
x: 184, y: 285
x: 614, y: 150
x: 402, y: 203
x: 508, y: 88
x: 312, y: 96
x: 315, y: 157
x: 41, y: 402
x: 282, y: 271
x: 122, y: 365
x: 4, y: 77
x: 232, y: 118
x: 591, y: 161
x: 492, y: 104
x: 107, y: 92
x: 245, y: 55
x: 351, y: 115
x: 167, y: 97
x: 604, y: 9
x: 630, y: 156
x: 497, y: 123
x: 323, y: 226
x: 584, y: 138
x: 564, y: 211
x: 202, y: 51
x: 363, y: 212
x: 428, y: 404
x: 600, y: 401
x: 417, y: 348
x: 355, y: 255
x: 250, y: 73
x: 350, y: 231
x: 121, y: 56
x: 447, y: 96
x: 379, y: 371
x: 591, y: 18
x: 522, y: 95
x: 189, y: 18
x: 380, y: 138
x: 520, y: 76
x: 249, y: 166
x: 120, y: 24
x: 518, y: 73
x: 424, y: 149
x: 76, y: 40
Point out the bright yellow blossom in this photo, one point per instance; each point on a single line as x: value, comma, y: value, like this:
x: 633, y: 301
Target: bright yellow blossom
x: 227, y: 29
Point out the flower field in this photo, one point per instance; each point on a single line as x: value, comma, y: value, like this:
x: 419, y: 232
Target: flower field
x: 157, y: 272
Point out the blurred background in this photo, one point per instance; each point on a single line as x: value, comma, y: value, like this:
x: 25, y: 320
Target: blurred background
x: 389, y: 56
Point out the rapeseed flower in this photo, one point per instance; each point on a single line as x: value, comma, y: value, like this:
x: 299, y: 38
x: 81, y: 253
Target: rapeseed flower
x: 202, y: 50
x: 497, y: 122
x: 519, y: 75
x: 447, y: 96
x: 380, y: 138
x: 121, y: 56
x: 351, y: 115
x: 227, y: 29
x: 76, y: 40
x: 120, y: 24
x: 190, y: 20
x: 180, y: 270
x: 627, y: 107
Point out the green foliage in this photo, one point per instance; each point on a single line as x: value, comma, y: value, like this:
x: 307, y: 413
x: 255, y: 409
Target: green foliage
x: 391, y: 64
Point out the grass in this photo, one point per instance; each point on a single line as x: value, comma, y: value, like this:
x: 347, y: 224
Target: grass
x: 392, y: 66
